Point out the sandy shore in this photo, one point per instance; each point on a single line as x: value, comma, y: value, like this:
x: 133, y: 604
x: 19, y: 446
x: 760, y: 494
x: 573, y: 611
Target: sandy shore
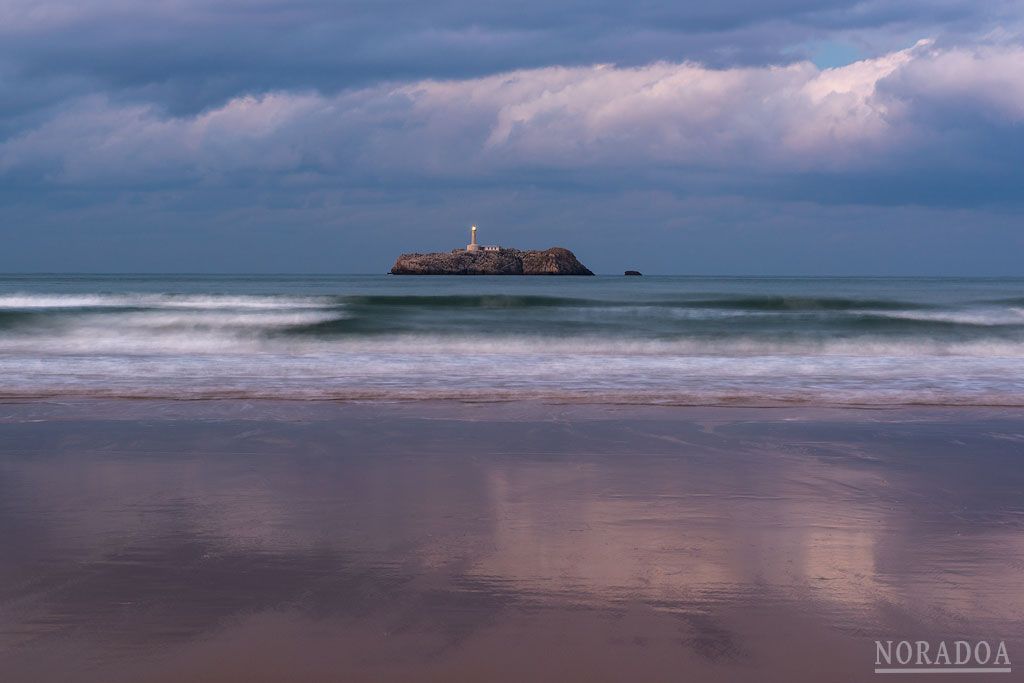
x: 264, y: 541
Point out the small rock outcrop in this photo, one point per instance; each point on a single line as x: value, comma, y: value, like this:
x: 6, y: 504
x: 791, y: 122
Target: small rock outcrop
x: 553, y: 261
x: 633, y: 273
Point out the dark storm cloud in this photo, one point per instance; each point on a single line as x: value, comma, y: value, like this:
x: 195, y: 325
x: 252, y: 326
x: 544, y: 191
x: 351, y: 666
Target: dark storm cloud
x: 187, y: 55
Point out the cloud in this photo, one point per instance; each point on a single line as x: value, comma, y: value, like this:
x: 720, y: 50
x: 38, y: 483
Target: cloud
x: 185, y: 56
x: 883, y: 117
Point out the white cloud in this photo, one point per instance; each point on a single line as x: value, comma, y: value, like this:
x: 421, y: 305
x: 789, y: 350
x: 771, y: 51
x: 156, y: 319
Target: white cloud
x: 988, y: 79
x: 793, y: 118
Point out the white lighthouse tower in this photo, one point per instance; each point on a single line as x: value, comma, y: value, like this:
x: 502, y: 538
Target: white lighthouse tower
x: 474, y: 246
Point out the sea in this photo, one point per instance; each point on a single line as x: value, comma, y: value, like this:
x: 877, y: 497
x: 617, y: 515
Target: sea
x: 673, y: 340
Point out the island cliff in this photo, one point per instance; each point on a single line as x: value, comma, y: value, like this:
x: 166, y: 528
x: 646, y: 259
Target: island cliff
x: 553, y: 261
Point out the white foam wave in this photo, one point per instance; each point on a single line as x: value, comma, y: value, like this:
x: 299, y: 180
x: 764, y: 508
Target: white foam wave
x: 214, y: 302
x: 982, y: 316
x: 243, y: 333
x: 646, y: 380
x: 750, y: 346
x: 163, y: 332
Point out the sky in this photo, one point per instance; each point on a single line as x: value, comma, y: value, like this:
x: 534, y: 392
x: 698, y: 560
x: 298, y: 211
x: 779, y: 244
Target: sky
x: 752, y: 137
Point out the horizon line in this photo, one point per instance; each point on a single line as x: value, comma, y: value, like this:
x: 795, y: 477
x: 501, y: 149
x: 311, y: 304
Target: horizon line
x: 616, y: 274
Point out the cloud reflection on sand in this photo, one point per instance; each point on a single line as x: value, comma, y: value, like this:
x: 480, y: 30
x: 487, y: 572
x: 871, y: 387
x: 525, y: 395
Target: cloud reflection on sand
x: 679, y: 549
x: 446, y: 530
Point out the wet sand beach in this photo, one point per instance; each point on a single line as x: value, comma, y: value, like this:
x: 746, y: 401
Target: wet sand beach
x: 319, y: 541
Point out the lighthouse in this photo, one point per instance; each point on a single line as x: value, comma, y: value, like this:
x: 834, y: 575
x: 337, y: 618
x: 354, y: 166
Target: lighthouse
x: 474, y: 246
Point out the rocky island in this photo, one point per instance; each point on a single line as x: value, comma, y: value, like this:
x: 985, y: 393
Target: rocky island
x: 489, y: 260
x: 553, y: 261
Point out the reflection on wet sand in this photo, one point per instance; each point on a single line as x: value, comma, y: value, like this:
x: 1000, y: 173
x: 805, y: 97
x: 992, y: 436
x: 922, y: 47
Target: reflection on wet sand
x: 162, y: 541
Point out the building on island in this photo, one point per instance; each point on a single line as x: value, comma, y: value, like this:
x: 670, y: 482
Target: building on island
x: 473, y: 246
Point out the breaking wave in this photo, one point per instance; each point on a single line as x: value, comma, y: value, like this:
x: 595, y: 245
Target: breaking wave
x: 682, y: 340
